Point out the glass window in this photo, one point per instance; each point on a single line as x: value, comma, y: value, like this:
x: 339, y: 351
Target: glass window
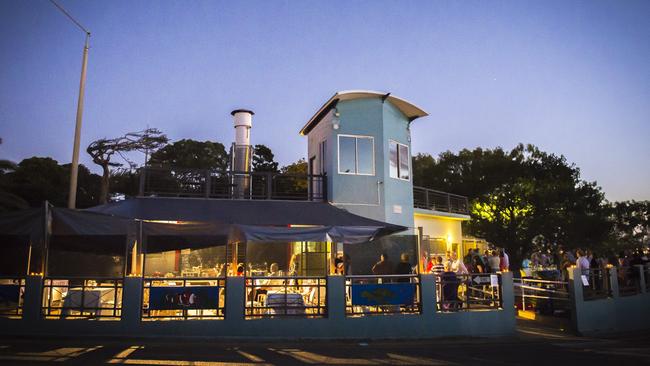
x: 404, y: 162
x: 399, y: 157
x: 365, y: 156
x: 392, y: 151
x: 356, y: 155
x: 347, y: 152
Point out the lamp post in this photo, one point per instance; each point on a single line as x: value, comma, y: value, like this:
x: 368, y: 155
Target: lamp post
x: 74, y: 168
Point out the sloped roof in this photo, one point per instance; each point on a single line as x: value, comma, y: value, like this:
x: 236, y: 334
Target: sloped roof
x: 410, y: 110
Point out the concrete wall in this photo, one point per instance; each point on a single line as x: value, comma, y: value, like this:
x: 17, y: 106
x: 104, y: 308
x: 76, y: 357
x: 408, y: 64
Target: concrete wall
x: 335, y: 326
x: 613, y: 314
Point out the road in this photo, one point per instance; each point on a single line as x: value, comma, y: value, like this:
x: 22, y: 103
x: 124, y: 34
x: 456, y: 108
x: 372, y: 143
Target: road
x: 532, y: 345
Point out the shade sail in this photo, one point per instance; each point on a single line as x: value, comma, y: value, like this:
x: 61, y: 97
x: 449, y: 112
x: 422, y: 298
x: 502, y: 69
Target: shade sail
x: 241, y: 212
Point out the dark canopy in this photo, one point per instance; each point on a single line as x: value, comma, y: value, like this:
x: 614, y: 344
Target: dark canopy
x: 109, y: 228
x: 241, y: 212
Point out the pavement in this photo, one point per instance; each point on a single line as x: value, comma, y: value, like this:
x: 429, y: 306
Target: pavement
x: 534, y: 344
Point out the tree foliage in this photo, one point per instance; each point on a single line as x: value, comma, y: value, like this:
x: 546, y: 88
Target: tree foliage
x: 192, y: 154
x: 520, y: 195
x: 263, y: 159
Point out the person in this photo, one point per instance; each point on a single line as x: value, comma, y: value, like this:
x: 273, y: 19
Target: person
x: 449, y: 294
x: 457, y: 265
x: 504, y: 261
x: 403, y: 268
x: 338, y: 265
x: 582, y: 262
x: 294, y: 265
x: 347, y: 264
x: 438, y: 268
x: 525, y: 268
x: 565, y: 265
x: 494, y: 261
x: 382, y: 267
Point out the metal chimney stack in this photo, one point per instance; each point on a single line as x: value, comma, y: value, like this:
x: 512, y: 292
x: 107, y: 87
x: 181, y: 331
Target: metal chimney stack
x: 241, y: 152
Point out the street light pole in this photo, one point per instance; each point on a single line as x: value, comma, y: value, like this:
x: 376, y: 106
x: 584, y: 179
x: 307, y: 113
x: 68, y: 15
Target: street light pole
x: 74, y: 168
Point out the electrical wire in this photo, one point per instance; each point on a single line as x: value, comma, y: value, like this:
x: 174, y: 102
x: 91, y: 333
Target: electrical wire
x: 70, y: 17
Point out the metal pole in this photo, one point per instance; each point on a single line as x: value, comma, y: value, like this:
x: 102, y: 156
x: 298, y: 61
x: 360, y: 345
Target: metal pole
x: 74, y: 168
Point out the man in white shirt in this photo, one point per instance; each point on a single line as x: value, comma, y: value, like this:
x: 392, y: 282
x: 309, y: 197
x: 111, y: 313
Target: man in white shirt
x: 582, y: 262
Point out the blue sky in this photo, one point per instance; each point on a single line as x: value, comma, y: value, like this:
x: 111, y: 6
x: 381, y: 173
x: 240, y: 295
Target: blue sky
x: 572, y: 77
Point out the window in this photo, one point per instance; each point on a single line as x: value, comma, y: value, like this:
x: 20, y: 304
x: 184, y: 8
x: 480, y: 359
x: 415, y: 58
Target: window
x: 399, y: 160
x: 323, y: 155
x: 356, y: 155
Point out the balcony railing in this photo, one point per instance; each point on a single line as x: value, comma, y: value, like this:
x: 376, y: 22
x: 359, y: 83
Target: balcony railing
x: 178, y: 182
x: 430, y: 199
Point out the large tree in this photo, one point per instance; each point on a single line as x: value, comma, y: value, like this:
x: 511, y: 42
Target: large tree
x: 192, y: 154
x: 524, y: 199
x: 104, y: 150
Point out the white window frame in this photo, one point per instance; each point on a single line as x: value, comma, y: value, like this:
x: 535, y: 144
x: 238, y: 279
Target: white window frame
x: 408, y: 150
x: 356, y: 154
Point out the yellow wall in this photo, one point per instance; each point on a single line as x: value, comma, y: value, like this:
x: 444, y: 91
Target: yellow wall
x: 440, y: 227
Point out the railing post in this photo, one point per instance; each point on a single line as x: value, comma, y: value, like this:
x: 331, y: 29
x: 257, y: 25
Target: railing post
x: 235, y: 300
x: 336, y: 297
x: 428, y: 294
x: 132, y: 302
x: 143, y: 172
x: 642, y: 279
x: 32, y: 301
x: 576, y: 296
x: 508, y: 294
x: 208, y: 183
x: 613, y: 282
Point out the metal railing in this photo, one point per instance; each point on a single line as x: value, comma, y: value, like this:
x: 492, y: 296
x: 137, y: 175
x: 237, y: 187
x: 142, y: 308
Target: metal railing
x: 629, y: 281
x: 382, y: 294
x: 543, y: 296
x: 12, y: 290
x: 183, y: 298
x: 80, y: 297
x: 431, y: 199
x: 179, y: 182
x: 282, y: 296
x: 468, y: 292
x: 597, y: 285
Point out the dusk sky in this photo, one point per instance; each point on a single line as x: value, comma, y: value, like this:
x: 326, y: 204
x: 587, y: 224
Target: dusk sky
x: 572, y: 77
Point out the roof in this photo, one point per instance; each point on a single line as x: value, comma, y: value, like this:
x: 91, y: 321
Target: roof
x: 243, y: 212
x: 410, y: 110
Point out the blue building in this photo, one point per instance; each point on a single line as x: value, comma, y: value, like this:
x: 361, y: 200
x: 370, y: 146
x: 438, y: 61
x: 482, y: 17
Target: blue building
x: 361, y: 141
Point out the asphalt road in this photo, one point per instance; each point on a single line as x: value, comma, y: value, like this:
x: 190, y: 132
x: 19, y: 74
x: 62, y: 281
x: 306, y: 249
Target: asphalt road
x: 533, y: 345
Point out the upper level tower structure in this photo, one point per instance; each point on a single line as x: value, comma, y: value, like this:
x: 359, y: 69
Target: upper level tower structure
x: 361, y: 140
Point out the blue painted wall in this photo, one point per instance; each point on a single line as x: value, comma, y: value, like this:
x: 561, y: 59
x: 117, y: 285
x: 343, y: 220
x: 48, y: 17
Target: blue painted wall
x: 373, y: 196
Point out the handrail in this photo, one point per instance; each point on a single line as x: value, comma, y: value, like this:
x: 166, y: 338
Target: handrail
x: 431, y: 199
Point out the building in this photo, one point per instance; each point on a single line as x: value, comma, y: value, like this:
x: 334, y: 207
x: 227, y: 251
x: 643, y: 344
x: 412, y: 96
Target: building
x: 361, y: 141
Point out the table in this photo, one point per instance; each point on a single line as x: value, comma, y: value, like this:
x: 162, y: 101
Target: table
x: 292, y: 302
x: 93, y: 299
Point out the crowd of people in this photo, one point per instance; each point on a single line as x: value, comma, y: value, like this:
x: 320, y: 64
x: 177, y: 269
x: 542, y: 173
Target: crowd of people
x: 584, y: 259
x: 490, y: 261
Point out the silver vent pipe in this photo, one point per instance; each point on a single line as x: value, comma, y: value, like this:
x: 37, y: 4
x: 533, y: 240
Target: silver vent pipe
x: 241, y: 153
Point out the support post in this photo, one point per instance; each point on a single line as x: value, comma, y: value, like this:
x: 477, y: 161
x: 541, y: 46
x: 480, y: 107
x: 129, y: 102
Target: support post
x: 508, y: 296
x: 235, y: 300
x: 32, y: 298
x: 613, y: 282
x: 428, y: 295
x: 132, y: 302
x: 642, y: 279
x: 208, y: 183
x: 576, y: 296
x: 336, y: 297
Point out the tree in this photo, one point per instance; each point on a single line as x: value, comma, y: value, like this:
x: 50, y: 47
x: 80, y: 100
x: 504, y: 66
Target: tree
x: 191, y: 154
x: 520, y: 195
x: 263, y: 159
x: 630, y: 225
x: 8, y: 200
x: 102, y: 152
